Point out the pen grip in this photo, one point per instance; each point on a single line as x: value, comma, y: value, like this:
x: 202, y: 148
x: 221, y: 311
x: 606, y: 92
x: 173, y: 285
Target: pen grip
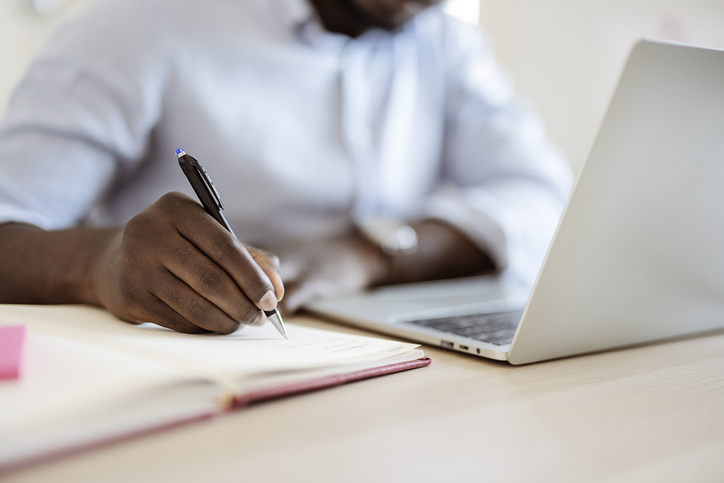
x: 207, y: 199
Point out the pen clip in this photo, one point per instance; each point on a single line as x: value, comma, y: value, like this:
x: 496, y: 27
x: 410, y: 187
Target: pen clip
x: 207, y: 180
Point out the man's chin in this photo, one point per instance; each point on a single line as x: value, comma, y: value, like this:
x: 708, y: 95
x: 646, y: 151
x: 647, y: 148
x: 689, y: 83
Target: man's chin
x: 388, y: 17
x: 397, y: 21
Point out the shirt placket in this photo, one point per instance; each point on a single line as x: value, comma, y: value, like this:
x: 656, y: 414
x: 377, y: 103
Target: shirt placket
x: 356, y: 129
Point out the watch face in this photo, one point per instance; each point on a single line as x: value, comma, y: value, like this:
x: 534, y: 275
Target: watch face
x: 393, y: 237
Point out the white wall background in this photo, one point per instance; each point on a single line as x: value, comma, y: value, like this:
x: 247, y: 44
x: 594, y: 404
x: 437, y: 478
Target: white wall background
x: 564, y: 55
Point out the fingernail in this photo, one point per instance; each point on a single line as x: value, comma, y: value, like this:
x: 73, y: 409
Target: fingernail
x: 268, y: 301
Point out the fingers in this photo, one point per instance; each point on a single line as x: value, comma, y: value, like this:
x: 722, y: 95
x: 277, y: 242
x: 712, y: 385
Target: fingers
x: 158, y: 312
x: 195, y: 285
x: 220, y: 246
x: 210, y: 312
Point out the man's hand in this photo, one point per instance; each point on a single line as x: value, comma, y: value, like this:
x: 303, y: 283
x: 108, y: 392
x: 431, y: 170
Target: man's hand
x: 173, y: 264
x: 328, y: 268
x: 350, y: 263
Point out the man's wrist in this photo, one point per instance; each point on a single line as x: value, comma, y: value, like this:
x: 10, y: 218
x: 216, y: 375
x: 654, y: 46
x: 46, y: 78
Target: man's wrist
x: 442, y: 252
x: 378, y: 263
x: 393, y: 237
x: 390, y: 239
x: 100, y: 266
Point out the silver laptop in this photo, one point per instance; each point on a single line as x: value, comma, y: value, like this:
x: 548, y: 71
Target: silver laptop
x: 638, y: 255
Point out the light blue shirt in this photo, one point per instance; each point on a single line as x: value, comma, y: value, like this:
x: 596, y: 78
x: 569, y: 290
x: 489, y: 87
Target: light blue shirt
x: 304, y: 132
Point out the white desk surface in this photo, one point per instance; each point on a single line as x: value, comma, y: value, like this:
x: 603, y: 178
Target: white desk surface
x: 652, y: 413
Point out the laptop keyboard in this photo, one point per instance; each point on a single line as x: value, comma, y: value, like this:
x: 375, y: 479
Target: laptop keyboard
x: 496, y: 328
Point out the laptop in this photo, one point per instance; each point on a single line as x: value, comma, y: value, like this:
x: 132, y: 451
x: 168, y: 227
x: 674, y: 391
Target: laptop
x: 638, y: 255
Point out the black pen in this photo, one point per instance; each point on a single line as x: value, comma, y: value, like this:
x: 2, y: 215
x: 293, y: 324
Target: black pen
x: 209, y: 197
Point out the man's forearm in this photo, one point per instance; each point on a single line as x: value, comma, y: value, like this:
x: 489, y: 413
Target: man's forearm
x: 50, y: 267
x: 442, y: 253
x: 47, y: 267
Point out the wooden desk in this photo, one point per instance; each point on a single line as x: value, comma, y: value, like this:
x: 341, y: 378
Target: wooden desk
x: 653, y: 413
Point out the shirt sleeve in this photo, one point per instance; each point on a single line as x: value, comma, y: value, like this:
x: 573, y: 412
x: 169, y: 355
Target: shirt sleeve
x: 82, y: 115
x: 504, y: 184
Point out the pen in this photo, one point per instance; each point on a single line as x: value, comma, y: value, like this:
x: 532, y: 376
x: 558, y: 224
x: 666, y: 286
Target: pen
x: 209, y: 197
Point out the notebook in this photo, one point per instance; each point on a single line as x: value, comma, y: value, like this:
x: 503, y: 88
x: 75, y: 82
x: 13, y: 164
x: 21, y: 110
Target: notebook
x: 637, y: 256
x: 90, y: 379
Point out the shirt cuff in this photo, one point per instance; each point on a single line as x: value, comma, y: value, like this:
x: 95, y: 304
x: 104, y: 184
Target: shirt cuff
x: 13, y: 214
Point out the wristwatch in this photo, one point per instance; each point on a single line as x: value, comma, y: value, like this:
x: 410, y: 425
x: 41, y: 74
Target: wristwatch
x: 390, y: 235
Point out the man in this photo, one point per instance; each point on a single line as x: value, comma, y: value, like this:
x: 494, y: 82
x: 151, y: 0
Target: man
x: 312, y: 118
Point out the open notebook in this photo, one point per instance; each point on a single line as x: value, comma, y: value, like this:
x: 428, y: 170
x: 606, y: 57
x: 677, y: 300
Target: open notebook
x: 90, y: 379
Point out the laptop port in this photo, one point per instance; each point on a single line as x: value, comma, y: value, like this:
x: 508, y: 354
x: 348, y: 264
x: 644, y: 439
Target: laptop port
x: 446, y: 344
x: 464, y: 347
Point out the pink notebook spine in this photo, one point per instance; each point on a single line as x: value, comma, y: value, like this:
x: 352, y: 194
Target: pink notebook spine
x: 325, y: 382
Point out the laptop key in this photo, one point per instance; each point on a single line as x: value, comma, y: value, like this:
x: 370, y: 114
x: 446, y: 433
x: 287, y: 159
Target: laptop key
x: 496, y: 328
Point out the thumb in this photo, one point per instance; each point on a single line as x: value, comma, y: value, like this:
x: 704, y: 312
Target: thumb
x: 270, y: 266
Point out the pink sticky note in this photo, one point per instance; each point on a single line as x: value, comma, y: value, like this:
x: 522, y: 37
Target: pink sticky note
x: 12, y: 340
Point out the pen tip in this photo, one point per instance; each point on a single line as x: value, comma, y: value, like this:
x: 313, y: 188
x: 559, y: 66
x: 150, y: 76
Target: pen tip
x: 180, y: 152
